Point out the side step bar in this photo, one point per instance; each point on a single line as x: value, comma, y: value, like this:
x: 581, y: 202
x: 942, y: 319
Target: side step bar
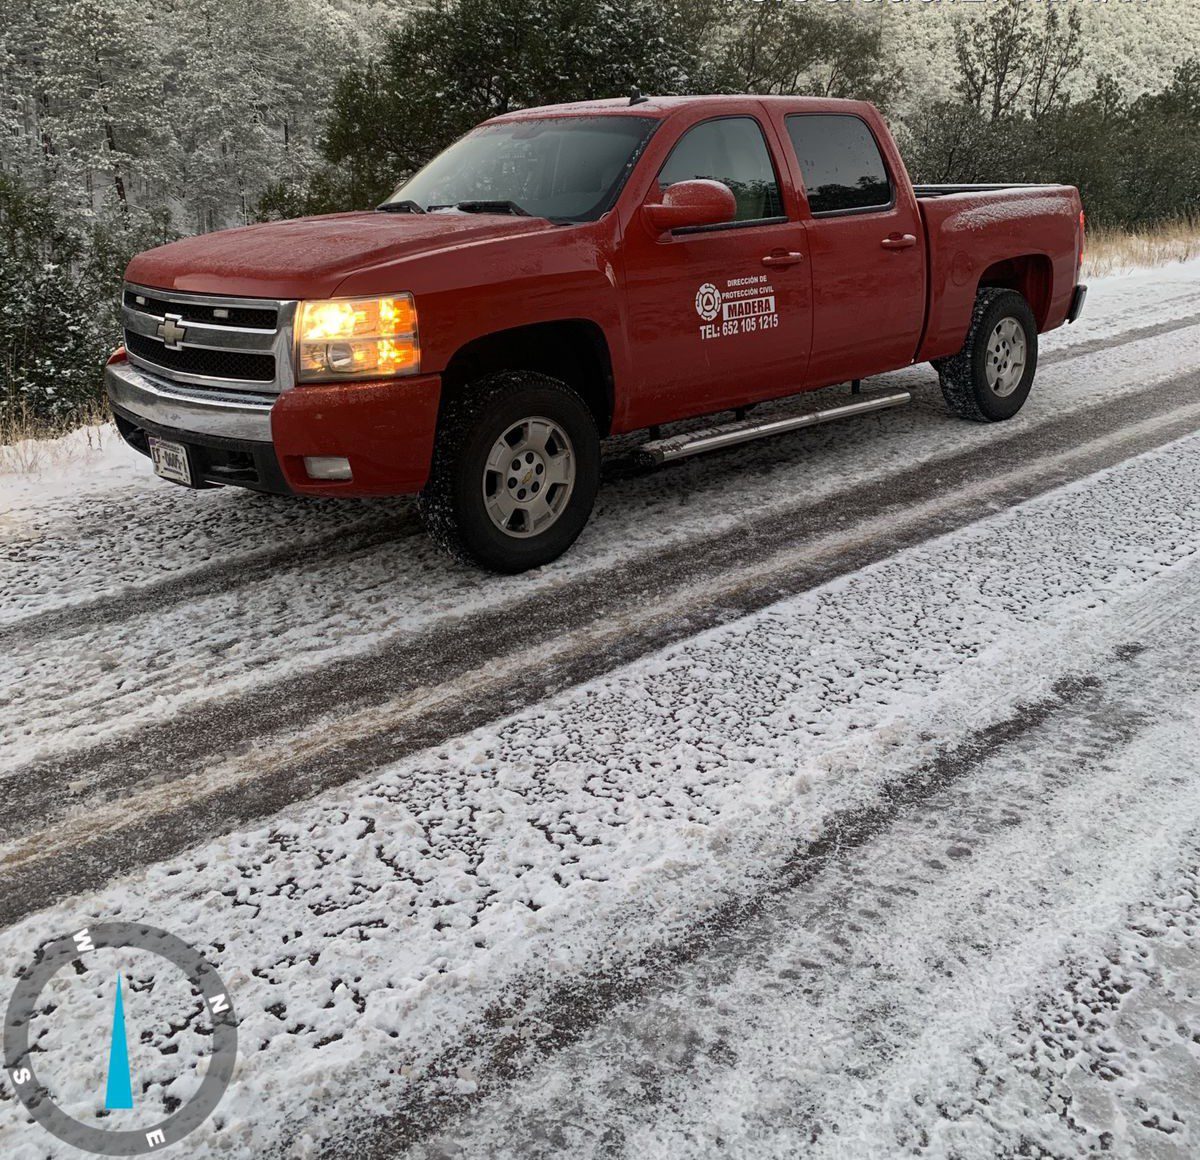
x: 731, y: 434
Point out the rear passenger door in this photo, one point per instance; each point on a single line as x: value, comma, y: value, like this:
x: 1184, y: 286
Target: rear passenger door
x: 866, y: 248
x: 718, y: 316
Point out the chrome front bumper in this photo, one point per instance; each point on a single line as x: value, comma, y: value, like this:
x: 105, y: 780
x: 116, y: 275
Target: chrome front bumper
x: 224, y: 414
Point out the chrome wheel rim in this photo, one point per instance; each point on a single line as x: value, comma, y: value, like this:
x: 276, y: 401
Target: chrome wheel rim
x: 529, y: 477
x: 1007, y: 356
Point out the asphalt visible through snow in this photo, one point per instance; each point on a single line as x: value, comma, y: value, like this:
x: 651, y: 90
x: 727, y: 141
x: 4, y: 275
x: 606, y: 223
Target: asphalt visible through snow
x: 397, y: 521
x: 316, y: 731
x: 797, y: 810
x: 790, y: 1020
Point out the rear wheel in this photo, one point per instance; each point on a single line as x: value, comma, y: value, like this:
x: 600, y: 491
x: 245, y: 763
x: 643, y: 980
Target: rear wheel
x: 515, y: 472
x: 990, y: 378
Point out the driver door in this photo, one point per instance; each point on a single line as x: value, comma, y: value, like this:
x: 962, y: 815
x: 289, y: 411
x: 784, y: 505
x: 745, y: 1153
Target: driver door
x: 718, y: 316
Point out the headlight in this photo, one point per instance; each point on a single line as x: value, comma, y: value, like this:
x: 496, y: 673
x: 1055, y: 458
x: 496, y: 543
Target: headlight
x: 358, y: 338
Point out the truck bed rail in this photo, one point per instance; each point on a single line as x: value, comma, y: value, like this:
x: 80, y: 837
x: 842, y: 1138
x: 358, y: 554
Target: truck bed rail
x: 946, y: 190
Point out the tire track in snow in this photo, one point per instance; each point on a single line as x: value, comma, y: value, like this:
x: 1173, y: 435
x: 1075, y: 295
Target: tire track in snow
x: 204, y: 580
x: 169, y: 786
x: 628, y: 1021
x: 1075, y: 350
x: 1105, y: 1045
x: 364, y: 535
x: 569, y: 1014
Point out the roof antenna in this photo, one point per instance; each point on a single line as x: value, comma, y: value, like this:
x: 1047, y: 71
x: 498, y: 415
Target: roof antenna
x: 635, y: 96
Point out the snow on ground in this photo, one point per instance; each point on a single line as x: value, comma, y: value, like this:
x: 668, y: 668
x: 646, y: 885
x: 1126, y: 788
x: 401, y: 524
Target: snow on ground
x: 365, y: 933
x: 960, y: 985
x: 382, y: 920
x: 99, y: 680
x: 92, y: 459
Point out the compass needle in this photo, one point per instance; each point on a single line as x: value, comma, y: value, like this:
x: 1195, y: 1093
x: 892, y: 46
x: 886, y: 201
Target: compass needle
x: 119, y: 1093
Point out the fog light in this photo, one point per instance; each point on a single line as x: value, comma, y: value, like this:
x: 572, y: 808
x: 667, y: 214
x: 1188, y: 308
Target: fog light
x: 327, y: 467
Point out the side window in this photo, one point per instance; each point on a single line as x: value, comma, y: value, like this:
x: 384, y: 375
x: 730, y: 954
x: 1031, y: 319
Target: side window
x: 730, y: 150
x: 840, y: 163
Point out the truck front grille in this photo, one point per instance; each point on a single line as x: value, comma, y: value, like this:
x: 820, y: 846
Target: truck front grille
x: 208, y: 340
x: 255, y: 317
x: 225, y: 365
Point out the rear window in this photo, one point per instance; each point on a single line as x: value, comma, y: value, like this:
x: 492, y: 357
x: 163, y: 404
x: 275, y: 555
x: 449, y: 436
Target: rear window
x: 840, y: 163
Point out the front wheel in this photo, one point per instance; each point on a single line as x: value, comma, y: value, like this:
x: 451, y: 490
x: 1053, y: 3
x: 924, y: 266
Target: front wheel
x: 990, y: 378
x: 515, y: 471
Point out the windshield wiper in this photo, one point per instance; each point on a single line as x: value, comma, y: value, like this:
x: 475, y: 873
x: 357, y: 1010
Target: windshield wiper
x: 399, y: 207
x: 510, y: 207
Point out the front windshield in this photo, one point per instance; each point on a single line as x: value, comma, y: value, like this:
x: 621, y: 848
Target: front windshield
x: 562, y: 168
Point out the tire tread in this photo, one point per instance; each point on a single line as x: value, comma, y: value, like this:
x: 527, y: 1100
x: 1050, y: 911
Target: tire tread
x: 461, y: 414
x: 959, y: 374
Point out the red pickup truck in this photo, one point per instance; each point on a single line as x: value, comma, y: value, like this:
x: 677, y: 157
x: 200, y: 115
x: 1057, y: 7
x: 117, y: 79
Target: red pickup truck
x: 566, y: 273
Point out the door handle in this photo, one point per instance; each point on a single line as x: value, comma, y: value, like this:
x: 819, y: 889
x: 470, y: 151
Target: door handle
x: 899, y: 242
x: 782, y: 259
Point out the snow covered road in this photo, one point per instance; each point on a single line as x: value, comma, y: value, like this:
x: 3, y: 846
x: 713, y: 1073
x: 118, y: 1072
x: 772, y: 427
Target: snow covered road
x: 948, y: 977
x: 818, y: 801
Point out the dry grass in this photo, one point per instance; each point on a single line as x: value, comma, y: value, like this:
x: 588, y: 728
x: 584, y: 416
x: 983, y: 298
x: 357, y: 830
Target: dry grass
x: 1118, y: 251
x: 27, y: 445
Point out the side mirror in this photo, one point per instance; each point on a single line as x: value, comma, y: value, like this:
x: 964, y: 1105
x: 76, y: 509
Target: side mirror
x: 691, y: 203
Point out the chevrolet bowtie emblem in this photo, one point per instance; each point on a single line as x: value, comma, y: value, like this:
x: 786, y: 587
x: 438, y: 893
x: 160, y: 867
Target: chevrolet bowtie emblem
x: 171, y: 332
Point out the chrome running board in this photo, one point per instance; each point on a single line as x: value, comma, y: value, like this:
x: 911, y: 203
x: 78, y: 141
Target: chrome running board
x: 731, y: 434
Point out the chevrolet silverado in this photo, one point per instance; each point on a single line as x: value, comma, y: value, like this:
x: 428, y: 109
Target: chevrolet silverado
x: 567, y: 273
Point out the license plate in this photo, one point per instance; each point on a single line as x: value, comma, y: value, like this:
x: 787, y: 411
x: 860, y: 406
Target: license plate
x: 170, y: 460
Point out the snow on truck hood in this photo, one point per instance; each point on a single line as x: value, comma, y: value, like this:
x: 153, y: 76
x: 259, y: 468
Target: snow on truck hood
x: 309, y: 257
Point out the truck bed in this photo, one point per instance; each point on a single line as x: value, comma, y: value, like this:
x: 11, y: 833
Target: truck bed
x: 1026, y: 237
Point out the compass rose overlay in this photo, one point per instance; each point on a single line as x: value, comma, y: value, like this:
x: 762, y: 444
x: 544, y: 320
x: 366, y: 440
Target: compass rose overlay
x: 79, y: 948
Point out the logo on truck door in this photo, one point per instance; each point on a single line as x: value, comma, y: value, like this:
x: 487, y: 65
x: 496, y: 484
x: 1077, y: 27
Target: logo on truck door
x: 708, y: 302
x: 744, y: 306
